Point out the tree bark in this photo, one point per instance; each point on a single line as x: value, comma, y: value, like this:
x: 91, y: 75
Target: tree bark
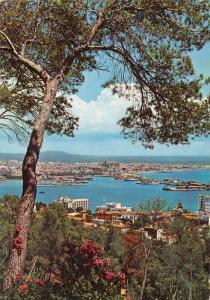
x: 17, y: 256
x: 143, y: 283
x: 147, y: 252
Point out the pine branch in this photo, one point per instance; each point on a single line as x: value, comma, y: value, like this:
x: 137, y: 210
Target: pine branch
x: 27, y: 62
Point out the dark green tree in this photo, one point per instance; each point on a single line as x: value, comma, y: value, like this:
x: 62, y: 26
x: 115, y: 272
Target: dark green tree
x: 8, y: 213
x: 20, y: 103
x: 181, y: 266
x: 141, y: 222
x: 153, y: 208
x: 53, y: 42
x: 73, y: 265
x: 79, y: 209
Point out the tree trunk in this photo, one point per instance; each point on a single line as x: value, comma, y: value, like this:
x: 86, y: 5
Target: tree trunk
x: 147, y: 252
x: 143, y: 283
x: 17, y: 256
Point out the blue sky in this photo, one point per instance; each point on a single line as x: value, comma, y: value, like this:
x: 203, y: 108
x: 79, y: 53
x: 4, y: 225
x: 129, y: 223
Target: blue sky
x: 99, y: 112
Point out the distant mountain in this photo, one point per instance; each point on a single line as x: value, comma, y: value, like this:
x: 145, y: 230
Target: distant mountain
x: 11, y: 156
x: 60, y: 156
x: 56, y: 156
x: 53, y: 156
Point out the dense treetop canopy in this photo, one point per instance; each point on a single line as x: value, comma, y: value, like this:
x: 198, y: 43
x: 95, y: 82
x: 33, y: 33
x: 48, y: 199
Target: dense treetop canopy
x: 146, y: 42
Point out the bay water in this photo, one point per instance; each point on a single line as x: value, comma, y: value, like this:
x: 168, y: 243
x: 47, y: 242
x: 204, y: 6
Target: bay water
x: 106, y: 189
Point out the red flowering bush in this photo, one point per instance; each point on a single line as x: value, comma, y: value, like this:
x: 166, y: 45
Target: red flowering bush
x: 98, y: 262
x: 18, y: 276
x: 17, y: 244
x: 101, y: 267
x: 91, y: 255
x: 28, y: 288
x: 23, y: 289
x: 90, y: 251
x: 28, y: 280
x: 122, y: 278
x: 86, y: 272
x: 109, y: 276
x: 17, y: 228
x: 39, y: 282
x: 117, y: 277
x: 17, y: 241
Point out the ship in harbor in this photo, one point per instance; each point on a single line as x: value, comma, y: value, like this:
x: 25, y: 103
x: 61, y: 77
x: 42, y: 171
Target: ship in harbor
x: 166, y: 181
x: 188, y: 186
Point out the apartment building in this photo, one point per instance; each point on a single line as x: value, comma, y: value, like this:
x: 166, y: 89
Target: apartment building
x: 74, y: 203
x: 113, y: 206
x: 204, y: 207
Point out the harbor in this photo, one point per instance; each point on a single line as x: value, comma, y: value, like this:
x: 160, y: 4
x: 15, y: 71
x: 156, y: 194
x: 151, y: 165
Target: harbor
x: 106, y: 189
x: 189, y: 186
x: 170, y: 183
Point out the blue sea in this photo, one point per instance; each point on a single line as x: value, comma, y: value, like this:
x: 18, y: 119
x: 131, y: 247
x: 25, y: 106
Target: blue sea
x: 106, y: 189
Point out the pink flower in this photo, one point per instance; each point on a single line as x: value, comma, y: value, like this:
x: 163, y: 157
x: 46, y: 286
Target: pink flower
x: 90, y: 251
x: 17, y: 244
x: 106, y: 262
x: 18, y: 276
x: 40, y: 282
x: 23, y: 289
x: 122, y: 278
x: 18, y: 240
x: 101, y: 262
x: 98, y: 262
x: 28, y: 280
x: 18, y: 228
x: 109, y: 276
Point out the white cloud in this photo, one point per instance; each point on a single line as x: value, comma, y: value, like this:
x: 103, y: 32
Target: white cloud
x: 99, y: 133
x: 100, y: 115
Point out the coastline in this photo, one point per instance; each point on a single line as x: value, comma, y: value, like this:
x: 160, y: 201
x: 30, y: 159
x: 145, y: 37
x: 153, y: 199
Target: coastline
x: 107, y: 189
x: 177, y: 169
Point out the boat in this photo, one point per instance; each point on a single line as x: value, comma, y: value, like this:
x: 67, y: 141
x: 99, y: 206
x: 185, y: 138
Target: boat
x: 166, y: 189
x: 148, y: 182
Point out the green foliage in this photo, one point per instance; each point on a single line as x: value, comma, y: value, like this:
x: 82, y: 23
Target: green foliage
x: 47, y: 235
x: 8, y: 211
x: 181, y: 273
x: 11, y: 117
x: 147, y: 45
x: 177, y: 270
x: 89, y: 218
x: 79, y: 209
x: 141, y: 222
x: 20, y: 103
x: 154, y: 205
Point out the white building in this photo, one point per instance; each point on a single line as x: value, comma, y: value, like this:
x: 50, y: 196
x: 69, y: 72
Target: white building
x: 204, y: 207
x: 132, y: 216
x: 74, y: 203
x: 113, y: 206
